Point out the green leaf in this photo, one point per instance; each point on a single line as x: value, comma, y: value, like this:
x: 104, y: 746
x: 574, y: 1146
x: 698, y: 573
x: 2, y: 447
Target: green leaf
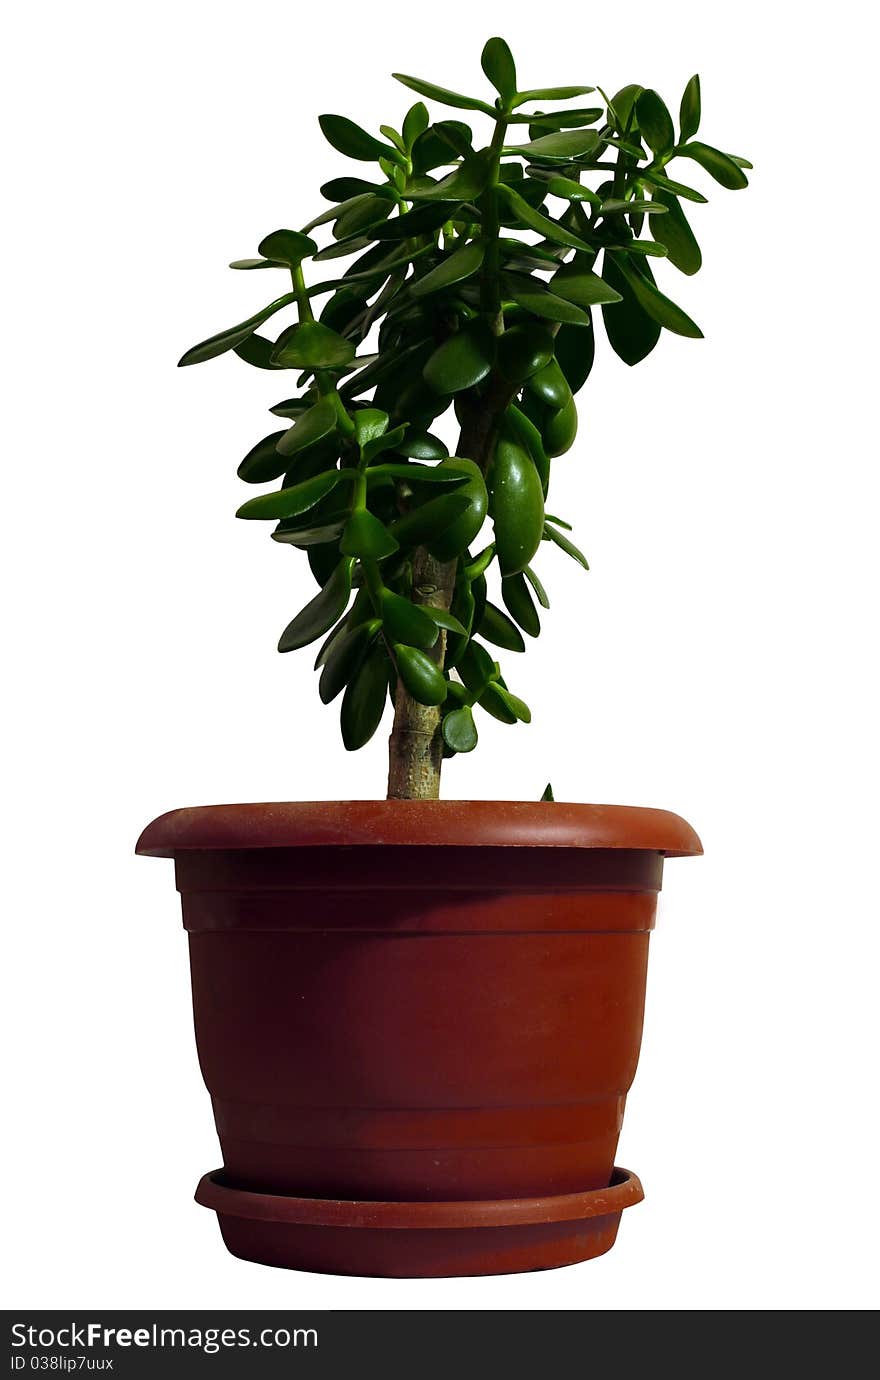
x: 423, y: 220
x: 534, y: 220
x: 569, y: 190
x: 649, y: 249
x: 614, y: 206
x: 444, y: 619
x: 498, y: 65
x: 414, y: 474
x: 457, y: 536
x: 287, y: 247
x: 344, y: 659
x: 689, y: 113
x: 666, y: 184
x: 388, y: 441
x: 365, y: 536
x: 564, y: 544
x: 290, y: 407
x: 657, y: 305
x: 582, y: 286
x: 464, y: 184
x: 632, y: 333
x: 439, y: 93
x: 497, y: 628
x: 559, y: 429
x: 548, y: 792
x: 519, y: 427
x: 519, y: 604
x: 422, y: 677
x: 421, y: 445
x: 319, y: 421
x: 499, y: 702
x: 354, y: 142
x: 256, y: 350
x: 234, y: 335
x: 523, y: 349
x: 312, y: 345
x: 462, y: 360
x: 516, y: 505
x: 299, y: 498
x: 459, y: 730
x: 719, y: 165
x: 566, y: 145
x: 655, y: 122
x: 263, y: 463
x: 575, y: 351
x: 428, y: 521
x: 674, y: 231
x: 454, y: 269
x: 323, y: 535
x: 407, y: 622
x: 550, y: 385
x: 531, y: 294
x: 254, y: 263
x: 552, y: 93
x: 369, y: 423
x: 319, y: 615
x: 415, y: 123
x: 363, y: 703
x: 540, y: 591
x: 347, y: 188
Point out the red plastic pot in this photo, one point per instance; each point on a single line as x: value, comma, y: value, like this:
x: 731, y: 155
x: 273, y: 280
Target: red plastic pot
x: 418, y: 1022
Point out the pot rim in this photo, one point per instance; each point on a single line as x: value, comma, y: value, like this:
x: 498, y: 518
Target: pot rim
x: 624, y: 1191
x: 417, y: 823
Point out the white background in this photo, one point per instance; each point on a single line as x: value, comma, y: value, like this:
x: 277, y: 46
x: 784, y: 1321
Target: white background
x: 718, y: 659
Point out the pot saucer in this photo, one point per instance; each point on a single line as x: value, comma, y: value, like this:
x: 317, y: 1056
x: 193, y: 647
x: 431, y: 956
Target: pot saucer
x: 419, y: 1239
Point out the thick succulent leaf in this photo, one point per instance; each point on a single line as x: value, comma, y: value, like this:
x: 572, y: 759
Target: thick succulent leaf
x: 263, y: 463
x: 498, y: 64
x: 407, y: 622
x: 657, y: 304
x: 464, y: 184
x: 666, y: 184
x: 366, y: 536
x: 516, y: 505
x: 415, y: 123
x: 354, y: 142
x: 550, y: 385
x: 422, y: 677
x: 519, y: 604
x: 462, y: 360
x: 565, y: 544
x: 523, y: 349
x: 566, y: 145
x: 287, y: 247
x: 534, y: 220
x: 319, y: 421
x: 234, y: 335
x: 575, y: 352
x: 427, y: 522
x: 719, y: 165
x: 344, y: 658
x: 553, y: 93
x: 257, y: 351
x: 655, y: 122
x: 632, y: 332
x: 538, y: 299
x: 582, y: 286
x: 312, y: 345
x: 461, y: 264
x: 689, y: 112
x: 440, y: 93
x: 363, y: 703
x: 540, y: 591
x: 674, y: 232
x: 320, y: 613
x: 299, y: 498
x: 459, y: 730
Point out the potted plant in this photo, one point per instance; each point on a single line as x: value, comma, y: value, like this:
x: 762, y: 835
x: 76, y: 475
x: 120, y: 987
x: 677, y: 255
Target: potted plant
x: 419, y: 1019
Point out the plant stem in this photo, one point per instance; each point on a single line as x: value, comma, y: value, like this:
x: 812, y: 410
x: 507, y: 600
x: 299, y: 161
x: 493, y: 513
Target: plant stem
x: 415, y: 748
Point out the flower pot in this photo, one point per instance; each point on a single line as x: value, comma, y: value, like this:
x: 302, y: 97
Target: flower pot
x: 418, y: 1022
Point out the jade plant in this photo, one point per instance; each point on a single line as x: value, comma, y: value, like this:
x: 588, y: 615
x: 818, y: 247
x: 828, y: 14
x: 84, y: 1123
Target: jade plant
x: 475, y: 271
